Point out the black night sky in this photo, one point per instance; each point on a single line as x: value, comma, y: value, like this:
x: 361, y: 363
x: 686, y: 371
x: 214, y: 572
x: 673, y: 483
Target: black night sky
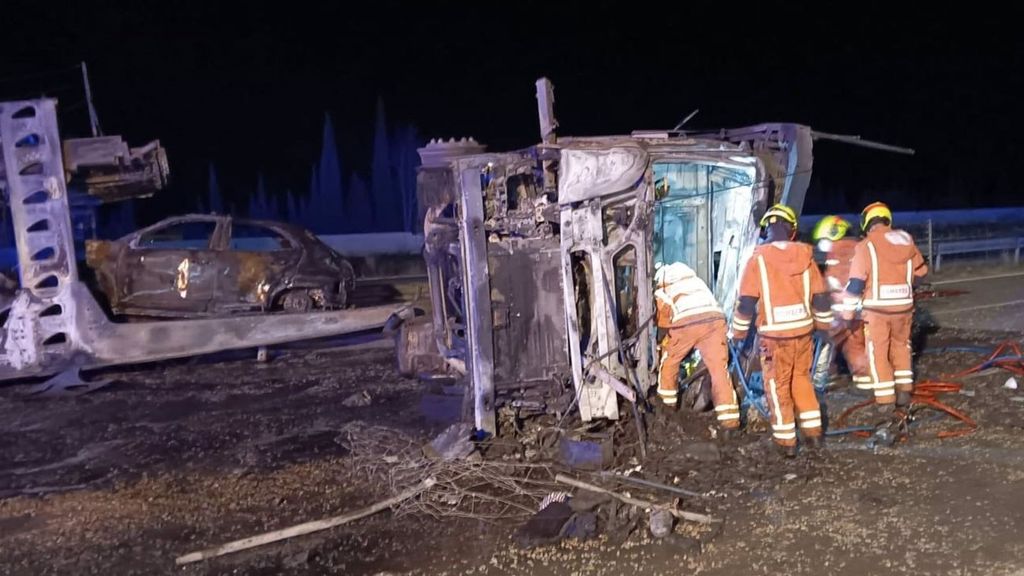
x: 246, y: 86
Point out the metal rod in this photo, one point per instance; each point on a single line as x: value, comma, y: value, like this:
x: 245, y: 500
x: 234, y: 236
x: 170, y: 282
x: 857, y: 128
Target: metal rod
x: 94, y: 120
x: 687, y: 119
x: 602, y: 374
x: 858, y: 141
x: 641, y: 427
x: 649, y: 484
x: 642, y: 504
x: 931, y: 245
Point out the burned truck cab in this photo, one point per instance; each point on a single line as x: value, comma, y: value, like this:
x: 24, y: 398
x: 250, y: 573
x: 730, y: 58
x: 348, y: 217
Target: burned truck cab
x: 541, y: 261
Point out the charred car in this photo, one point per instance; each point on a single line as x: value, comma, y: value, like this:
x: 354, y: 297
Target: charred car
x: 208, y: 265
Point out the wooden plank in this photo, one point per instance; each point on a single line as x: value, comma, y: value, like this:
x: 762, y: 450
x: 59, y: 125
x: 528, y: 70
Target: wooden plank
x: 301, y: 529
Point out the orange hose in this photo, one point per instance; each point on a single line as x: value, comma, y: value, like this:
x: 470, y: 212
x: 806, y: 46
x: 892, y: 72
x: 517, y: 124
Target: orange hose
x: 841, y: 420
x: 1015, y: 366
x: 926, y: 393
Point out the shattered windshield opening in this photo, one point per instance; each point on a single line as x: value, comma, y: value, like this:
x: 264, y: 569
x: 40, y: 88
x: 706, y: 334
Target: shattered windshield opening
x: 694, y: 203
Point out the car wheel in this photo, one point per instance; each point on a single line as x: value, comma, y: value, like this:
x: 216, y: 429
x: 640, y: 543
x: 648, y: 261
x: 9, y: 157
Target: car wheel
x: 296, y: 301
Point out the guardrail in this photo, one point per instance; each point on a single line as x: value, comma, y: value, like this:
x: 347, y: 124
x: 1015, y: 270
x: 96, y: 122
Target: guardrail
x: 951, y: 247
x: 937, y: 217
x: 939, y: 233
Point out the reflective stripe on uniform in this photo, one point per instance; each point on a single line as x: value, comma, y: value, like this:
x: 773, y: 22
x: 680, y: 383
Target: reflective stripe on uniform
x: 784, y: 435
x: 786, y: 326
x: 883, y: 303
x: 729, y: 416
x: 807, y: 289
x: 885, y: 389
x: 688, y: 297
x: 661, y: 363
x: 775, y: 401
x: 784, y: 427
x: 725, y: 407
x: 766, y: 293
x: 874, y: 270
x: 876, y: 299
x: 903, y: 372
x: 871, y: 357
x: 810, y: 419
x: 769, y: 324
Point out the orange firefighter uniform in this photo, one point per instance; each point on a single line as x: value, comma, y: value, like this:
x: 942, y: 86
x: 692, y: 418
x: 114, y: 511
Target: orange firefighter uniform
x: 848, y: 337
x: 885, y: 267
x: 687, y: 309
x: 783, y: 285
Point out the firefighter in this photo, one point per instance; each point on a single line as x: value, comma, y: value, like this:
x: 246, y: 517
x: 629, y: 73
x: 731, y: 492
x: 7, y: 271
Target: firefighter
x: 782, y: 285
x: 886, y: 266
x: 837, y: 248
x: 688, y: 311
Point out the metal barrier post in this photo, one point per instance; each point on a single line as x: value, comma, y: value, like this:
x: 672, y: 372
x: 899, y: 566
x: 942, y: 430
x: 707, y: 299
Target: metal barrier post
x: 931, y: 245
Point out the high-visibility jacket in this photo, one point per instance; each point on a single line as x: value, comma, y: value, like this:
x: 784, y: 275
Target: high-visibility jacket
x: 682, y: 298
x: 783, y: 285
x: 882, y: 274
x: 837, y: 264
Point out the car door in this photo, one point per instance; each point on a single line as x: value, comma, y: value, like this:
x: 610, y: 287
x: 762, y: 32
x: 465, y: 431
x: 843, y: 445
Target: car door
x: 256, y: 262
x: 171, y: 268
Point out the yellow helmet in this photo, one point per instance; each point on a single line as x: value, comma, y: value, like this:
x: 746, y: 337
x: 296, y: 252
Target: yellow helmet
x: 830, y: 227
x: 874, y: 210
x: 779, y: 212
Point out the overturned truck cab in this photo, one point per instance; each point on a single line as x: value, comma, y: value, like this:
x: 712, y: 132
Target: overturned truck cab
x: 541, y: 261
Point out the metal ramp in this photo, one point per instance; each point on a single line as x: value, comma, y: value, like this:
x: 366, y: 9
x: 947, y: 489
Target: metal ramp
x: 39, y: 330
x: 55, y: 326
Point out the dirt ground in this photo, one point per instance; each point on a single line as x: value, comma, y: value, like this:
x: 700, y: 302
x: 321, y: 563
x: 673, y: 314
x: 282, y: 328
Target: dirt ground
x: 192, y: 454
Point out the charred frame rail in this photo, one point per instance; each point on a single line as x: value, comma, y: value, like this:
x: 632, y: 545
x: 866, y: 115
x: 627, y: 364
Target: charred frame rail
x: 479, y: 319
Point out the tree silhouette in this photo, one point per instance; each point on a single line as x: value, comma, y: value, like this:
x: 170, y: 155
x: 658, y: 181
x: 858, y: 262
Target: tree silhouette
x: 406, y: 161
x: 326, y: 203
x: 260, y: 205
x: 358, y: 206
x: 214, y: 198
x: 387, y: 209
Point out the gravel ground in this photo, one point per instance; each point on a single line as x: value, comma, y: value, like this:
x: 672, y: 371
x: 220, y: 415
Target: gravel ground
x: 193, y: 454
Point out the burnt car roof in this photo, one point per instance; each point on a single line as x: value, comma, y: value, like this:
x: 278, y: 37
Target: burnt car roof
x: 292, y: 230
x: 287, y: 227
